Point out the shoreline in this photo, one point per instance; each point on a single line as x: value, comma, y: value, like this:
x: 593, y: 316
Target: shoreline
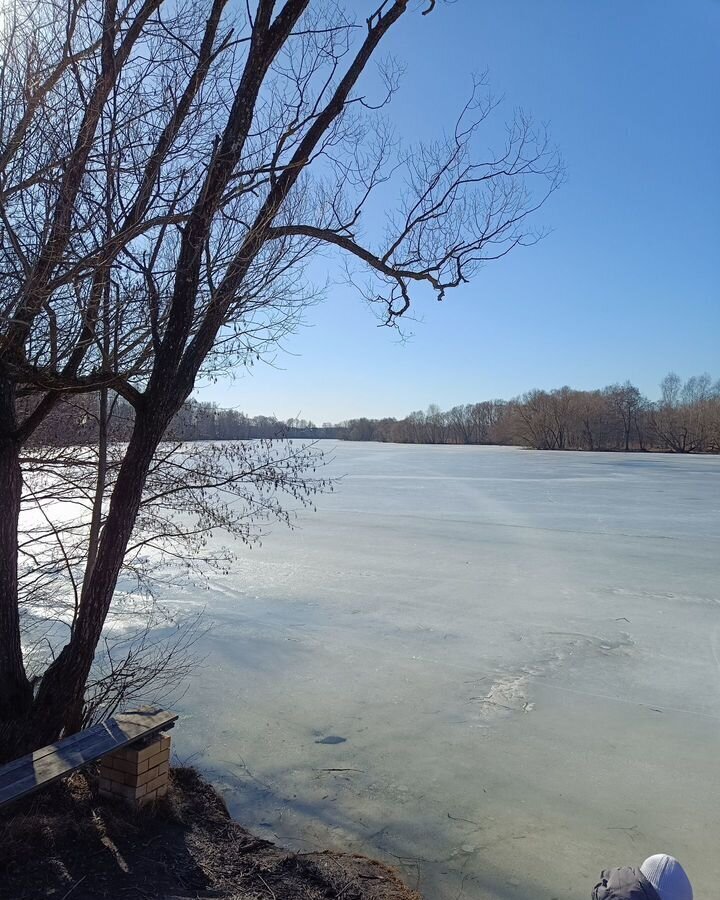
x: 67, y: 841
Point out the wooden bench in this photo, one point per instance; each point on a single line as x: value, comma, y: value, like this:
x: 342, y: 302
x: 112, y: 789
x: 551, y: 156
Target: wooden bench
x: 34, y: 771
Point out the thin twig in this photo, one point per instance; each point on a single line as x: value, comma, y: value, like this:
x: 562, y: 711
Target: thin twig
x: 67, y: 893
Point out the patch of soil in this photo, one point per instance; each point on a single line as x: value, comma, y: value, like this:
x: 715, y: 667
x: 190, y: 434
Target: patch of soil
x: 68, y: 842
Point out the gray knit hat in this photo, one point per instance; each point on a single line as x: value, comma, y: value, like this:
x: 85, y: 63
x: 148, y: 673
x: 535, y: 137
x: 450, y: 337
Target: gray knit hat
x: 668, y: 877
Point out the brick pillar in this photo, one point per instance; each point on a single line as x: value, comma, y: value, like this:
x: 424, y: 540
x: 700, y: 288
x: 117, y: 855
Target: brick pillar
x: 139, y: 773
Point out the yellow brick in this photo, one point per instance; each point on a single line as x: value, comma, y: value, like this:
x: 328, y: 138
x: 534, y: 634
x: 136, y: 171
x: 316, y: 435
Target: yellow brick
x: 148, y: 776
x: 121, y: 765
x: 158, y: 782
x: 157, y: 760
x: 162, y: 751
x: 134, y: 793
x: 147, y: 751
x: 148, y: 798
x: 130, y: 755
x: 137, y: 771
x: 132, y: 766
x: 159, y: 757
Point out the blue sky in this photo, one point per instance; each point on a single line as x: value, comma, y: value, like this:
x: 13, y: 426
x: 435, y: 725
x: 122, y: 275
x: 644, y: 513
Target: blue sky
x: 626, y: 284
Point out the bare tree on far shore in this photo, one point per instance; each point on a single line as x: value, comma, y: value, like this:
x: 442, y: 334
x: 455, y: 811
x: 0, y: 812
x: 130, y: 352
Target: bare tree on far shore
x: 686, y: 419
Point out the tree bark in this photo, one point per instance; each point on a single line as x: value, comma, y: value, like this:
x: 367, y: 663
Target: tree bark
x: 15, y: 689
x: 59, y: 698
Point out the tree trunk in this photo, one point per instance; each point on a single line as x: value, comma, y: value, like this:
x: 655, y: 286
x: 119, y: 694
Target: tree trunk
x: 100, y: 485
x: 15, y: 691
x: 57, y: 706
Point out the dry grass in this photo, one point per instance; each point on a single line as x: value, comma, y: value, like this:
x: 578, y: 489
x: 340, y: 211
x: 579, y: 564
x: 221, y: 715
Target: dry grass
x: 67, y: 842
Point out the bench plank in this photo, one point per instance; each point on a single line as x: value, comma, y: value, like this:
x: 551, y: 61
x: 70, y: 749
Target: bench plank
x: 27, y: 774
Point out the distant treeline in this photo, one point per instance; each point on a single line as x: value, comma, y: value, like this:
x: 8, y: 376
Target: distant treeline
x: 686, y: 419
x: 77, y: 421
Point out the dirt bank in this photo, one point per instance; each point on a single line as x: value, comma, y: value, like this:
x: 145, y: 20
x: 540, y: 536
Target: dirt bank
x: 67, y: 842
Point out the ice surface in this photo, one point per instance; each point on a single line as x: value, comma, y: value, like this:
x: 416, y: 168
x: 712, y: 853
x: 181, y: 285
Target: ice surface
x: 520, y: 649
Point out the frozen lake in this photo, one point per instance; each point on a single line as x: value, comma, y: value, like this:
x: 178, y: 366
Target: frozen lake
x: 520, y: 651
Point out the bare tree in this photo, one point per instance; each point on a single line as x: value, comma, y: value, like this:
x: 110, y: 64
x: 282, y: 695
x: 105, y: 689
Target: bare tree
x: 685, y: 420
x: 166, y: 172
x: 545, y: 418
x: 458, y: 422
x: 687, y: 417
x: 627, y: 404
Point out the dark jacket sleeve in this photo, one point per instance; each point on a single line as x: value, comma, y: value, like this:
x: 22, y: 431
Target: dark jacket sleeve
x: 624, y: 883
x: 600, y: 891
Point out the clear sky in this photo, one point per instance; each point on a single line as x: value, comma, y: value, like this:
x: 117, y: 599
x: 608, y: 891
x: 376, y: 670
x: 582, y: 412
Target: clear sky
x: 626, y: 286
